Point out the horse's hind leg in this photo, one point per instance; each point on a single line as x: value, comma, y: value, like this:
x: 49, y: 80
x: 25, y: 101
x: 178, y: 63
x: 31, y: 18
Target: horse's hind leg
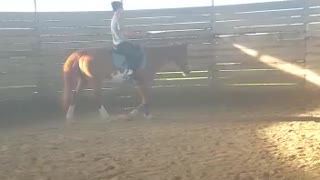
x: 98, y: 97
x: 73, y: 102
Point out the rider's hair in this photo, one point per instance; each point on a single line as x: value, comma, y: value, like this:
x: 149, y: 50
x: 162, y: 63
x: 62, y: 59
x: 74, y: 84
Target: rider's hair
x: 116, y: 5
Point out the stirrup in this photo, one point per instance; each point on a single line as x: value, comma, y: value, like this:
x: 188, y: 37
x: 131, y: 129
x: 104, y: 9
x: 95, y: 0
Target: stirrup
x: 127, y: 71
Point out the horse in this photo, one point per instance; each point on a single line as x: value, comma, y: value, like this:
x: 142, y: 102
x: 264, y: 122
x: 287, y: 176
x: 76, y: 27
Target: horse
x: 90, y: 67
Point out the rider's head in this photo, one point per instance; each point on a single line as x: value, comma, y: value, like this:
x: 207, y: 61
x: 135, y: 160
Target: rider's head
x: 116, y: 6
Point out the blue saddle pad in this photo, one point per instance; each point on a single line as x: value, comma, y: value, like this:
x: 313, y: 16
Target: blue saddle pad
x: 119, y: 61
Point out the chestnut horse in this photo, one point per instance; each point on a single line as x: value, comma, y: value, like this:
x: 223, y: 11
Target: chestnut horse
x: 90, y: 67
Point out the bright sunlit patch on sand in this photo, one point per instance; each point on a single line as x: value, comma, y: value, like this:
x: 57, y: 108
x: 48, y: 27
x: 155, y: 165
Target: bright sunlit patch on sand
x: 295, y: 144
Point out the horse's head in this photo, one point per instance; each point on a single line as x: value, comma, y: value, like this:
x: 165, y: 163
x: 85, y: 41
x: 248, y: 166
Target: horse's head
x: 159, y: 56
x: 184, y: 66
x: 181, y: 59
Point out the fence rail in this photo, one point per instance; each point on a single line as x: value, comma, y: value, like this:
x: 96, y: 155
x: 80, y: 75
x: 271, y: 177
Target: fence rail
x: 232, y: 43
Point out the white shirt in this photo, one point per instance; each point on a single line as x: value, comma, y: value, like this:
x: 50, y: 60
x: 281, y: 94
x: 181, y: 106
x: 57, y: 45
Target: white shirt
x: 117, y: 25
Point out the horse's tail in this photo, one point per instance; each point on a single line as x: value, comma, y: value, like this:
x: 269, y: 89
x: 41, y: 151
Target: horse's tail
x: 70, y: 69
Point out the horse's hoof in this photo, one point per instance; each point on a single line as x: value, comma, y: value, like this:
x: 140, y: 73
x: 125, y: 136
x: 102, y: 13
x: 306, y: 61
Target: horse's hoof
x: 105, y: 120
x: 125, y: 117
x: 70, y: 118
x: 70, y: 114
x: 70, y: 121
x: 104, y: 115
x: 148, y: 117
x: 134, y: 113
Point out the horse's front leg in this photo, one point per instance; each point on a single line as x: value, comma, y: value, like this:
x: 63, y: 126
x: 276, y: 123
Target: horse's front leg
x: 98, y: 98
x: 143, y: 91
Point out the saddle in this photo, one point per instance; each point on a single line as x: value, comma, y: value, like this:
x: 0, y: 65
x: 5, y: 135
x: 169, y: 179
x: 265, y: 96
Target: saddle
x: 120, y: 62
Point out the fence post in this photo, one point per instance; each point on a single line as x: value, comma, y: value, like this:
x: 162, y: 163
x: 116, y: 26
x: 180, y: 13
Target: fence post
x: 39, y: 74
x: 305, y: 85
x: 305, y: 37
x: 211, y: 67
x: 36, y: 28
x: 305, y: 40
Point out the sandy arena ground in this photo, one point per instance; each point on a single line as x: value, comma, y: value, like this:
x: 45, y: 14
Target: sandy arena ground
x: 261, y: 143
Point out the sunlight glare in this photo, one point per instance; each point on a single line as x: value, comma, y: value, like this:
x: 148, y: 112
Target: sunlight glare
x: 282, y: 65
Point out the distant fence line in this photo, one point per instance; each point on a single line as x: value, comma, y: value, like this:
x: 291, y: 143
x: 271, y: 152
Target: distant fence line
x: 33, y: 46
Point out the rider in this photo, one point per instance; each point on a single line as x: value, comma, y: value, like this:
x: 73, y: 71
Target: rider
x: 120, y: 37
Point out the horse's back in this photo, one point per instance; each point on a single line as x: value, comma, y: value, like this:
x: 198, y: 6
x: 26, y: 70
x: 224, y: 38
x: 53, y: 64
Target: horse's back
x: 101, y: 63
x: 171, y: 51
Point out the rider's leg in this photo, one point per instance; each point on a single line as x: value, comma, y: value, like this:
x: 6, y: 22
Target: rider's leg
x: 132, y: 53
